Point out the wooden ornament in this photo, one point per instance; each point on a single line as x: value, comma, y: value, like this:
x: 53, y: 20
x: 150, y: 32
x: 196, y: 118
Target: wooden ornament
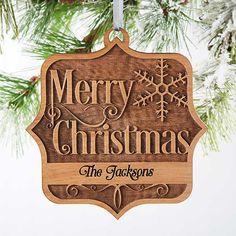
x: 117, y: 128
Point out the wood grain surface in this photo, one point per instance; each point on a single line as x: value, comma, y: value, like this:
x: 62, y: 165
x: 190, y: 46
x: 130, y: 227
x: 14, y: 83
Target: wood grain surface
x: 117, y: 128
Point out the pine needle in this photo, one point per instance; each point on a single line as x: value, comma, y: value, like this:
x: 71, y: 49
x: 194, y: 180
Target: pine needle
x: 100, y: 16
x: 19, y: 104
x: 218, y: 18
x: 42, y: 15
x: 215, y: 102
x: 7, y: 19
x: 218, y: 114
x: 163, y: 25
x: 55, y: 42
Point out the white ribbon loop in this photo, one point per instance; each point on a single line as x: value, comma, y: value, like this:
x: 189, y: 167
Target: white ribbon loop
x: 118, y: 7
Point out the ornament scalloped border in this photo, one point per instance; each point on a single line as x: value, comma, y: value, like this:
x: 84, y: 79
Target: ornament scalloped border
x: 125, y: 47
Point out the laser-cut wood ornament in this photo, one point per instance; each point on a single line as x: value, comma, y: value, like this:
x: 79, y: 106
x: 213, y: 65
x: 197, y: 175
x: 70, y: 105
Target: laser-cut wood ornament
x: 117, y: 128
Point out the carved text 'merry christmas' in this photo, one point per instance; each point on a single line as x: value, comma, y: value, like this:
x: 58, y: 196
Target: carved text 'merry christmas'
x: 115, y: 142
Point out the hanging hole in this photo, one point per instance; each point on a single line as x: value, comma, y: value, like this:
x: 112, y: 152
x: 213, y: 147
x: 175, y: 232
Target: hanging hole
x: 111, y: 34
x: 116, y: 33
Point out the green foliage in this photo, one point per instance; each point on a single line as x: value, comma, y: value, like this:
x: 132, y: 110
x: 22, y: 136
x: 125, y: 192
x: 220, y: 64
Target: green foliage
x: 219, y: 22
x: 7, y: 19
x: 55, y: 42
x: 215, y: 101
x: 164, y: 24
x: 19, y: 104
x: 218, y: 113
x: 100, y: 17
x: 98, y: 14
x: 43, y: 15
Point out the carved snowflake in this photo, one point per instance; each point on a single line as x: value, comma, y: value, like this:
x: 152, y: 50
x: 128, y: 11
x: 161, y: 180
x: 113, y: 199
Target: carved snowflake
x: 161, y: 89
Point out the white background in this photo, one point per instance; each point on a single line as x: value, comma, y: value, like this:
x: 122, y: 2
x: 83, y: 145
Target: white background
x: 24, y: 210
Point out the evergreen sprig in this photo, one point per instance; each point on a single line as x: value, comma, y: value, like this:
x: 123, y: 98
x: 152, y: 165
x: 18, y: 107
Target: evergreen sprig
x: 215, y: 102
x: 163, y: 25
x: 19, y: 104
x: 41, y: 16
x: 99, y: 14
x: 218, y: 113
x: 7, y: 19
x: 220, y: 31
x: 55, y: 42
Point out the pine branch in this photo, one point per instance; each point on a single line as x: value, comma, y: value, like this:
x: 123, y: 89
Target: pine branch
x: 163, y: 25
x: 218, y: 114
x: 42, y: 16
x: 45, y: 17
x: 19, y: 104
x: 7, y: 19
x: 55, y: 42
x: 100, y: 14
x: 219, y: 23
x: 215, y: 102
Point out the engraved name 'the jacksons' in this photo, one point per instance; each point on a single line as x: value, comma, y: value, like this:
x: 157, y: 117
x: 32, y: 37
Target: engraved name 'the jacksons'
x: 112, y: 142
x: 113, y: 171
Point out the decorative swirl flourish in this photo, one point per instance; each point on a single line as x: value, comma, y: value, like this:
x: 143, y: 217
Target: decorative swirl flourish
x: 141, y: 187
x: 65, y: 149
x: 110, y: 112
x: 95, y: 188
x: 72, y: 190
x: 83, y: 122
x: 161, y: 190
x: 52, y: 114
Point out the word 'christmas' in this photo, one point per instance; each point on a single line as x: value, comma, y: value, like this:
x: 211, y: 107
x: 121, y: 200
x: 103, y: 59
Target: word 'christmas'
x: 129, y: 141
